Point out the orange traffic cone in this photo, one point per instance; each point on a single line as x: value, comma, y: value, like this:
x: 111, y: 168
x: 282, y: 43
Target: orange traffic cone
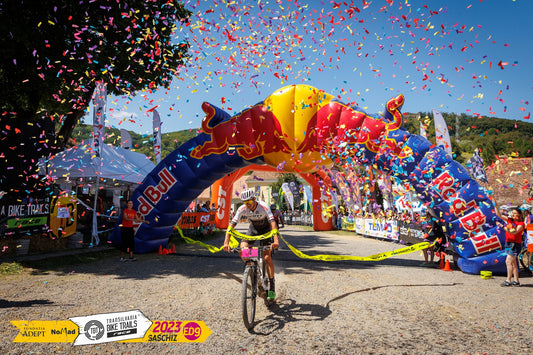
x: 441, y: 265
x: 173, y: 249
x: 165, y: 251
x: 447, y: 266
x: 160, y: 251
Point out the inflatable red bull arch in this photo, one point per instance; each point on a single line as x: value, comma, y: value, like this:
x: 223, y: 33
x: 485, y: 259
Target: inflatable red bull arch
x: 302, y: 129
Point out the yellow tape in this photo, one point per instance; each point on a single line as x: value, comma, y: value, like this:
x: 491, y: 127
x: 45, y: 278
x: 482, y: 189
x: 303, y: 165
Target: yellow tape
x: 324, y: 257
x: 233, y: 243
x: 234, y: 233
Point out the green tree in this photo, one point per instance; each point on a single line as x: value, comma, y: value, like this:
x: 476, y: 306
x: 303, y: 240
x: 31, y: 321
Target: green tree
x: 54, y: 52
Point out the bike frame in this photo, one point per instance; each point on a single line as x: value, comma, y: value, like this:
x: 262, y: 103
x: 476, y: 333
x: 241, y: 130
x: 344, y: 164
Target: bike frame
x: 255, y: 270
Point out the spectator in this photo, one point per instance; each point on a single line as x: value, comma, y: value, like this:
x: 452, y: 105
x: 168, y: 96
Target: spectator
x: 429, y: 236
x: 514, y: 229
x: 127, y: 234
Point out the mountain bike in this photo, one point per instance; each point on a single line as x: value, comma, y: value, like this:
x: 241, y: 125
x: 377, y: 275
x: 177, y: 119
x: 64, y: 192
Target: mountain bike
x: 254, y: 281
x: 523, y: 258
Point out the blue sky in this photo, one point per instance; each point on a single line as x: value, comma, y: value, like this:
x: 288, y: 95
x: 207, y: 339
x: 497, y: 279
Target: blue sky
x: 444, y: 55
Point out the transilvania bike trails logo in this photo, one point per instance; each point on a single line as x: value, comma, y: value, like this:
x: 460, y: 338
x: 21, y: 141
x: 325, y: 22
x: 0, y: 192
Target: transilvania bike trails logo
x: 130, y: 326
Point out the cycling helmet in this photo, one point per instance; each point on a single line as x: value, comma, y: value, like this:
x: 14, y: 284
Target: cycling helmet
x: 247, y: 194
x: 273, y: 207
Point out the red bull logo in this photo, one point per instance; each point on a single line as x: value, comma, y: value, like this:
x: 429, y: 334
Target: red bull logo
x: 254, y: 133
x: 294, y: 127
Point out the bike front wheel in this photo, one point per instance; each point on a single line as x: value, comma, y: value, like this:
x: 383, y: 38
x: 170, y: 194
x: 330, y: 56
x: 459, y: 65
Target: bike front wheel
x: 249, y: 295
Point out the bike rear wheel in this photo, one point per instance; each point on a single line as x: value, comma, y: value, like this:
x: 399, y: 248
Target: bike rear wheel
x: 248, y: 297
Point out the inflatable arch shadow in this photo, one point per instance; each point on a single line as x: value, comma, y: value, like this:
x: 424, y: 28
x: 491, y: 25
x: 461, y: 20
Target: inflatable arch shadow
x: 301, y: 129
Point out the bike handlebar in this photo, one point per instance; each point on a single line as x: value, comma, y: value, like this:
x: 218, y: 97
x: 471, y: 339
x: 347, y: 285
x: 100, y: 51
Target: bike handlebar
x: 262, y: 248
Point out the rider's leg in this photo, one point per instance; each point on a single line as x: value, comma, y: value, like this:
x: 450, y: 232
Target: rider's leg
x: 270, y: 271
x: 269, y: 264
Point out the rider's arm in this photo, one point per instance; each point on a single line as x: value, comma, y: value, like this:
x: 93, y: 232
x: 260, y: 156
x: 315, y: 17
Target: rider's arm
x: 227, y: 237
x: 275, y: 244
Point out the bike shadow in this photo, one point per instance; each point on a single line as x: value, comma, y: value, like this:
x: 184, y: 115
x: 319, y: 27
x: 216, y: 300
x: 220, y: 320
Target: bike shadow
x: 288, y: 310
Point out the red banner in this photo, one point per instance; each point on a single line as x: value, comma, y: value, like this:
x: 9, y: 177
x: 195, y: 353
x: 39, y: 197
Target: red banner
x: 190, y: 220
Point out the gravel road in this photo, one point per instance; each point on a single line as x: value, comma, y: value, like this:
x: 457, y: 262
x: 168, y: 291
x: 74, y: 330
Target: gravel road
x: 394, y: 306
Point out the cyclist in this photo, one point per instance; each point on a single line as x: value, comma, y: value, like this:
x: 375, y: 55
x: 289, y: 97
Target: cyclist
x: 278, y: 216
x: 261, y: 222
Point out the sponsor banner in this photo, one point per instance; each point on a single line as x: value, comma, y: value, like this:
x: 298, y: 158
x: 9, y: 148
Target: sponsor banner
x: 130, y: 326
x: 20, y: 215
x: 410, y: 233
x: 26, y: 222
x: 378, y: 228
x: 47, y: 331
x: 190, y: 220
x: 108, y: 327
x: 63, y: 216
x: 359, y: 226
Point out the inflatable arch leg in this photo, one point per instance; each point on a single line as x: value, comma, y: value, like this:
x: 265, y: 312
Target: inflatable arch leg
x: 223, y: 190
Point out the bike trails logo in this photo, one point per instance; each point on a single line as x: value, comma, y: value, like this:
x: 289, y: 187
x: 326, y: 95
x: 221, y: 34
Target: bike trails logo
x: 107, y: 327
x: 131, y: 326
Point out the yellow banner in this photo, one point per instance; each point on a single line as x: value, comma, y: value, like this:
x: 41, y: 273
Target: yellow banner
x: 66, y: 331
x: 298, y: 253
x: 47, y: 331
x: 175, y: 331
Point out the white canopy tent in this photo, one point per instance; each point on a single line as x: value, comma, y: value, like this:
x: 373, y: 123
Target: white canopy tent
x: 117, y: 166
x: 119, y: 169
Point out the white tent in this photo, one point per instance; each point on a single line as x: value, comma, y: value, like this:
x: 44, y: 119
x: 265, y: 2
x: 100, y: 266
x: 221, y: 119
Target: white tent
x: 117, y: 166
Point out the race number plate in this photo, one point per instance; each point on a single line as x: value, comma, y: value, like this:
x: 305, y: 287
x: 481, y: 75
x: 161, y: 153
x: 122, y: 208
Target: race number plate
x: 250, y: 253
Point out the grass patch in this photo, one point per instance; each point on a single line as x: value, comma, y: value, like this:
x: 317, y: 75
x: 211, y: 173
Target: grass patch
x: 11, y: 268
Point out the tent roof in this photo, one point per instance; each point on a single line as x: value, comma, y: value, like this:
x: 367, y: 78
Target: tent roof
x: 114, y: 163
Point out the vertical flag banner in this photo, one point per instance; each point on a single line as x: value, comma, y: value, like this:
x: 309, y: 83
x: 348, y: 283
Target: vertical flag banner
x: 100, y: 103
x: 442, y: 135
x: 125, y: 139
x: 295, y: 189
x: 475, y: 167
x: 288, y: 195
x: 423, y: 132
x: 157, y: 137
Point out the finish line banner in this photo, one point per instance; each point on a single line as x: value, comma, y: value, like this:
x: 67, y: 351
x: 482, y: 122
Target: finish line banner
x: 323, y: 257
x: 130, y: 326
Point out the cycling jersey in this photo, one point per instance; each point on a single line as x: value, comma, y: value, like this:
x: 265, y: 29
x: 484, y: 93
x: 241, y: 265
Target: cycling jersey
x: 259, y: 218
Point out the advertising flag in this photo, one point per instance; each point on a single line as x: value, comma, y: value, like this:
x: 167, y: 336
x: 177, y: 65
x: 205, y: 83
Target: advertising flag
x: 125, y: 139
x: 157, y: 136
x: 288, y: 195
x: 99, y: 102
x: 475, y: 167
x: 442, y: 135
x: 423, y: 132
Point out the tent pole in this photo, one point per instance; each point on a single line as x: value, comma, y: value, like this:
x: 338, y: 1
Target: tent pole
x: 94, y: 239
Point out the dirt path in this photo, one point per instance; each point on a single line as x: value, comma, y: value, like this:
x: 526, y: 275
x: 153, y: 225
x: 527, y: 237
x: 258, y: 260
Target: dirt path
x: 394, y: 306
